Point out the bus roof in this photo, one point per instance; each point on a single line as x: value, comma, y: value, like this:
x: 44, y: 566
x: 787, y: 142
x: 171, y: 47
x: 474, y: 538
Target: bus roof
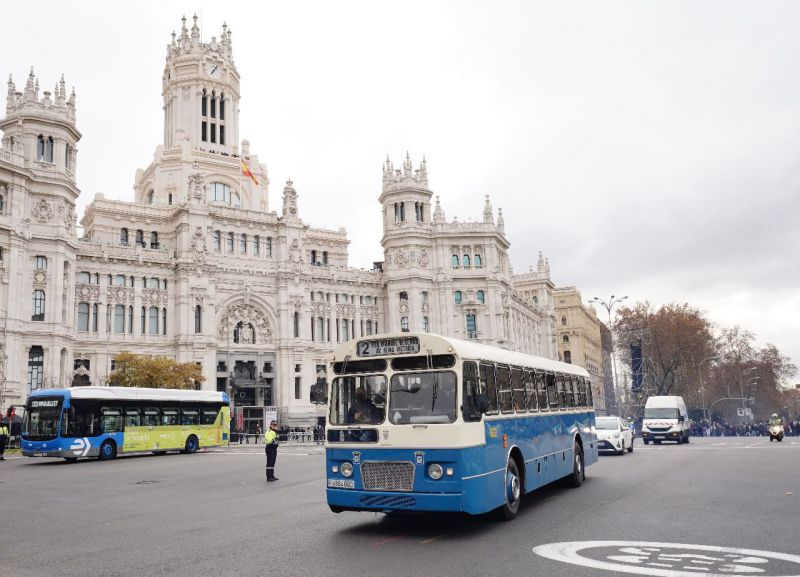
x: 466, y: 350
x: 134, y: 393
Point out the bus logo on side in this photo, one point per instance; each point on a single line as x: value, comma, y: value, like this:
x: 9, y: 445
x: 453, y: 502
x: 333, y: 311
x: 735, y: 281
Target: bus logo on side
x: 81, y: 446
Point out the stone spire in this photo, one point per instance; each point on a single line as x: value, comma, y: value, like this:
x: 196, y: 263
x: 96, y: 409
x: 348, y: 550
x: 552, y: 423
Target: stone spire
x: 184, y: 33
x: 540, y: 263
x: 487, y: 211
x: 423, y: 171
x: 195, y: 32
x: 438, y: 213
x: 407, y: 167
x: 501, y: 223
x: 30, y: 94
x: 11, y: 98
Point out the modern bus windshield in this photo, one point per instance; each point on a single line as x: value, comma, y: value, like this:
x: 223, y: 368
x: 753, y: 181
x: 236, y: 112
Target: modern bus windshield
x: 42, y: 417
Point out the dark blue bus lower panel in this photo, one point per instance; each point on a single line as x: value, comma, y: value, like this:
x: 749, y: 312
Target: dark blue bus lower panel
x: 474, y: 477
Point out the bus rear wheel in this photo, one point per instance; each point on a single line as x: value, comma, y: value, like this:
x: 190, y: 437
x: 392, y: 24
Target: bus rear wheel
x: 512, y: 492
x: 578, y: 475
x: 191, y: 445
x: 108, y: 451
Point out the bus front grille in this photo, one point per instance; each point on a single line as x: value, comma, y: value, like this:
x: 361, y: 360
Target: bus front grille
x: 387, y: 476
x: 395, y: 502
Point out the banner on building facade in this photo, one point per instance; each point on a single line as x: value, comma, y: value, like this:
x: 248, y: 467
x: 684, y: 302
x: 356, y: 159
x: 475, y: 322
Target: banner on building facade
x: 636, y: 367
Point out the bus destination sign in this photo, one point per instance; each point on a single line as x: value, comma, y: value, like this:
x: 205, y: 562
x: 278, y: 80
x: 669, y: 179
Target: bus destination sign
x: 400, y: 346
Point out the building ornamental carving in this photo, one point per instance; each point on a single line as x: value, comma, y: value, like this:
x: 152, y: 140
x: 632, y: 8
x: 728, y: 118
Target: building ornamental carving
x: 42, y: 211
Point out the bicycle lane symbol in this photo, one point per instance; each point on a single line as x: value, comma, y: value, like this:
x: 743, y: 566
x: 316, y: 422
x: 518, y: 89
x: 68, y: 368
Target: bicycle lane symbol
x: 672, y: 559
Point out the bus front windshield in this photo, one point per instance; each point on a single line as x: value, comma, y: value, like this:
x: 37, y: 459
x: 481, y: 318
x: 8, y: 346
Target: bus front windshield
x: 428, y: 397
x: 358, y: 400
x: 41, y: 418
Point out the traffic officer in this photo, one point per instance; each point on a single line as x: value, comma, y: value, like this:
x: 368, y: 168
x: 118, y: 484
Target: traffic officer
x: 3, y: 439
x: 271, y: 449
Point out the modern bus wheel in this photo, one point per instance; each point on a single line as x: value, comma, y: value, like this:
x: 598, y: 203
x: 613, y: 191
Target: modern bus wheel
x: 191, y: 445
x: 108, y: 450
x: 578, y: 475
x: 512, y: 492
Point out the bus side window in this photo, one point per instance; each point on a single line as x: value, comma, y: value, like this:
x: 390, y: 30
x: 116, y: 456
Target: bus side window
x: 169, y: 417
x: 530, y: 391
x: 552, y: 392
x: 487, y: 380
x: 569, y: 385
x: 504, y: 389
x: 474, y: 399
x: 111, y: 421
x: 541, y: 387
x: 589, y: 393
x: 152, y: 417
x: 518, y: 390
x: 582, y: 393
x: 133, y: 417
x: 562, y: 394
x: 190, y: 416
x: 208, y: 417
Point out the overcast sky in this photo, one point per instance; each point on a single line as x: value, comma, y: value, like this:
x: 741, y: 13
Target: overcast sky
x: 649, y: 149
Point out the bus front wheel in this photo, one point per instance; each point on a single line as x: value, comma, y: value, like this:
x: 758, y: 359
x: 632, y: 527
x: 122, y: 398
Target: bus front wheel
x: 108, y: 450
x: 512, y: 492
x: 191, y: 445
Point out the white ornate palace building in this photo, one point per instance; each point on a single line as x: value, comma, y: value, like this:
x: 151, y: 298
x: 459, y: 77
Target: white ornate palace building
x: 199, y: 267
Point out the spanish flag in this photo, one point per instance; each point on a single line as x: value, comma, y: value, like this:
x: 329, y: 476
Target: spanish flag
x: 246, y: 172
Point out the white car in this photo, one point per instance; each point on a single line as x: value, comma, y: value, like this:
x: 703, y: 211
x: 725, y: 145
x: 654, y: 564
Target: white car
x: 613, y: 435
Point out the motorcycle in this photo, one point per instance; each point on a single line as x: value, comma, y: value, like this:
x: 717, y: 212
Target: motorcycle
x: 776, y: 432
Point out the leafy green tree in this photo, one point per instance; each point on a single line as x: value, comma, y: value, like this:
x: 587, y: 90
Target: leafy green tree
x: 132, y: 370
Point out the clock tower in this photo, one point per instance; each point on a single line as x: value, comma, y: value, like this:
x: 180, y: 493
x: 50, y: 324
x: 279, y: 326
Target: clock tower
x: 201, y: 92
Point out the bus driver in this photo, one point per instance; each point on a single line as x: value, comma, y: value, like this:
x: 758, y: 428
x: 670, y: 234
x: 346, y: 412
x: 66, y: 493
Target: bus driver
x: 363, y: 409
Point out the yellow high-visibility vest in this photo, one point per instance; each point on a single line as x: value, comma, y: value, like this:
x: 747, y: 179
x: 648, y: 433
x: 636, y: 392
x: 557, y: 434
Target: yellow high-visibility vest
x: 270, y: 437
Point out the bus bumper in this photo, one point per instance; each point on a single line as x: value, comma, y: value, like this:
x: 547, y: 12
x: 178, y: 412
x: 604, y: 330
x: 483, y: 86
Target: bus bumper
x: 353, y: 500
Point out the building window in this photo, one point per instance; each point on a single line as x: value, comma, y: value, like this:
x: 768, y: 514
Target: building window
x: 454, y: 261
x: 2, y: 203
x: 44, y: 149
x: 404, y: 324
x: 229, y: 242
x: 83, y: 317
x: 243, y: 243
x: 154, y: 240
x: 123, y: 237
x: 567, y: 357
x: 296, y: 324
x: 95, y: 315
x: 268, y: 246
x: 152, y: 320
x: 35, y: 367
x: 466, y: 260
x: 140, y: 238
x: 130, y: 320
x: 324, y: 257
x: 345, y: 330
x: 472, y: 330
x: 84, y: 277
x: 564, y: 321
x: 535, y: 300
x: 457, y: 297
x: 38, y: 305
x: 403, y: 296
x: 198, y: 319
x: 313, y: 257
x: 169, y: 199
x: 566, y: 338
x: 163, y: 321
x: 256, y: 245
x: 419, y: 210
x: 150, y: 198
x: 424, y: 296
x: 478, y: 261
x: 217, y: 240
x: 220, y: 192
x: 426, y: 325
x: 480, y: 297
x: 297, y: 387
x: 119, y: 319
x: 142, y: 319
x: 40, y: 262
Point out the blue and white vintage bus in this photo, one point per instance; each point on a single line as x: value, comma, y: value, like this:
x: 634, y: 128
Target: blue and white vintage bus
x: 421, y: 422
x: 103, y: 422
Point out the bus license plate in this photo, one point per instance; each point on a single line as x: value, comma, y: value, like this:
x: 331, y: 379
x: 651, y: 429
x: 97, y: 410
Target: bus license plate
x: 342, y: 483
x: 658, y: 436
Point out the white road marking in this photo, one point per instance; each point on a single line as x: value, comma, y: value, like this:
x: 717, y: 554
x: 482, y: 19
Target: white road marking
x: 646, y: 558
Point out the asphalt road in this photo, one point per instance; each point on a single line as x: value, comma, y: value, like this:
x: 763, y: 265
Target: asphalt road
x: 213, y: 514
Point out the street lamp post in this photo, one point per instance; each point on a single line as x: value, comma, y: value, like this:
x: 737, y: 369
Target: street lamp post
x: 700, y: 381
x: 741, y: 389
x: 608, y: 305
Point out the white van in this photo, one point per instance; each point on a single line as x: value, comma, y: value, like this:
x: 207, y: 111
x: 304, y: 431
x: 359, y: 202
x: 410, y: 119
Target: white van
x: 665, y: 419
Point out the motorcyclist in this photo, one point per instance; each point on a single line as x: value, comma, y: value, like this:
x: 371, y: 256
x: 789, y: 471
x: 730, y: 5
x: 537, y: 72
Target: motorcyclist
x: 775, y: 420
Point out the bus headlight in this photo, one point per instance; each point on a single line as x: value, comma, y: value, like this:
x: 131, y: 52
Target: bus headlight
x: 435, y: 471
x: 346, y: 469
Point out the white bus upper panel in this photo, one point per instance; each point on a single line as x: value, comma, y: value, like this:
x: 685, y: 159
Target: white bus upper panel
x: 144, y: 394
x: 439, y: 344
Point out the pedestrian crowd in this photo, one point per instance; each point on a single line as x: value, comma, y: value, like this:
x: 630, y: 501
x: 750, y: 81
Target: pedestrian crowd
x: 707, y: 428
x: 285, y: 434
